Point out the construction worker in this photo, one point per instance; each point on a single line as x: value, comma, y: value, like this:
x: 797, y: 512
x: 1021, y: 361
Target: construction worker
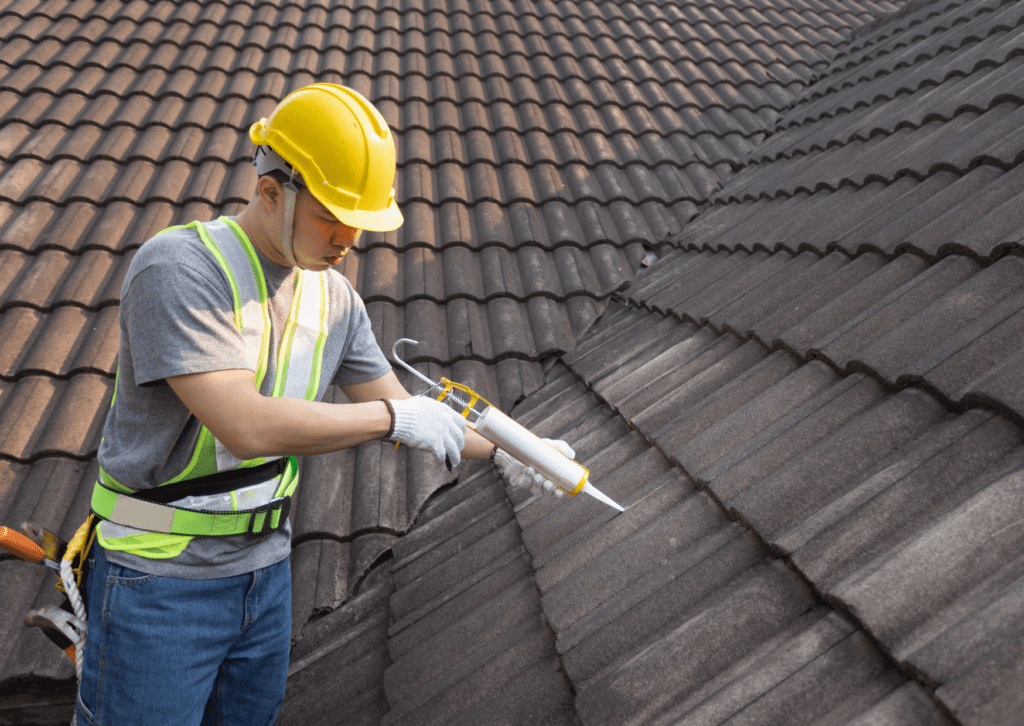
x: 231, y: 332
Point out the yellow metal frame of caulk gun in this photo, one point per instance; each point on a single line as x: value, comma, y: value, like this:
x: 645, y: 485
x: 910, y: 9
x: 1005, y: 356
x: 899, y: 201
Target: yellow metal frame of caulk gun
x: 568, y: 475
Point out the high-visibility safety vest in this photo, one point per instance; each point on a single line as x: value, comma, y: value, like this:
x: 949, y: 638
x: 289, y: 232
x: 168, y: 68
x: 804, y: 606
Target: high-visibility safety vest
x: 138, y: 522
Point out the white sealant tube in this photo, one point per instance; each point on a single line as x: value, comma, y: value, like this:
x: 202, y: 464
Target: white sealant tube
x: 526, y: 446
x: 531, y: 450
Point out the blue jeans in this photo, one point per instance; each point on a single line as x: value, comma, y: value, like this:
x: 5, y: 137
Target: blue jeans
x: 163, y: 650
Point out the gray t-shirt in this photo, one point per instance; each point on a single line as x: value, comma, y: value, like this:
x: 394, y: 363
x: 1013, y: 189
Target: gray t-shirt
x: 176, y: 318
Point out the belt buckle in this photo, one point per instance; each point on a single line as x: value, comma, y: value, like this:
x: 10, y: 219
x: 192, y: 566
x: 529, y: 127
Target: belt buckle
x: 282, y: 505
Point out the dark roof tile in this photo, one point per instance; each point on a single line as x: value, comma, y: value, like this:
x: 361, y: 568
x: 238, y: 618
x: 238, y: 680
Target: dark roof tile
x: 846, y: 342
x: 620, y: 628
x: 351, y: 641
x: 855, y: 529
x: 863, y: 446
x: 784, y: 441
x: 964, y: 359
x: 653, y: 687
x: 478, y: 525
x: 441, y: 653
x: 672, y: 429
x: 681, y: 267
x: 960, y: 536
x: 910, y: 341
x: 709, y: 444
x: 445, y: 517
x: 845, y: 294
x: 847, y: 659
x: 695, y: 351
x: 610, y: 574
x: 619, y: 470
x: 324, y: 507
x: 717, y: 286
x: 657, y: 404
x: 656, y: 488
x: 436, y: 581
x: 368, y: 550
x: 320, y: 579
x: 772, y: 304
x: 460, y: 601
x: 601, y: 358
x: 478, y: 679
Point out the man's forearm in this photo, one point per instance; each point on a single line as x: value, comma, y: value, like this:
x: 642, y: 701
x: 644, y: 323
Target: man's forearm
x: 294, y: 427
x: 251, y: 425
x: 477, y: 447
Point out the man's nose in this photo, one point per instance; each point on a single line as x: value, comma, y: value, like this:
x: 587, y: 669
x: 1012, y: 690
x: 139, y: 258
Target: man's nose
x: 346, y: 236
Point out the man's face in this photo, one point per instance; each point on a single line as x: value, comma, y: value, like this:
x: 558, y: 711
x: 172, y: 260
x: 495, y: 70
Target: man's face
x: 319, y: 240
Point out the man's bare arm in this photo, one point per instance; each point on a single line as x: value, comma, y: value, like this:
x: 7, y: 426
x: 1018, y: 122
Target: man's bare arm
x: 388, y: 386
x: 251, y: 425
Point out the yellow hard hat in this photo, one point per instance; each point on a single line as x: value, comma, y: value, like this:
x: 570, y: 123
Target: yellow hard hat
x: 342, y: 148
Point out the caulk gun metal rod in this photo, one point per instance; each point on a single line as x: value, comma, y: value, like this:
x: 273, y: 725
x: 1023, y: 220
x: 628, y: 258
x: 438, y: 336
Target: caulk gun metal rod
x: 394, y: 354
x: 432, y: 384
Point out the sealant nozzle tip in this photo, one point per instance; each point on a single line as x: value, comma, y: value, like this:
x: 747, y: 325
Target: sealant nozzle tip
x: 601, y: 496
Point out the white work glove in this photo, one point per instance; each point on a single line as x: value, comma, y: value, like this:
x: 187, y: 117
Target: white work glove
x: 519, y: 474
x: 427, y: 424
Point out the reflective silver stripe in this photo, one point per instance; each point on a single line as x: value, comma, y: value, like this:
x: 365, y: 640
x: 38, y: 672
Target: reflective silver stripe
x: 143, y: 515
x: 309, y: 313
x: 250, y: 310
x: 248, y: 290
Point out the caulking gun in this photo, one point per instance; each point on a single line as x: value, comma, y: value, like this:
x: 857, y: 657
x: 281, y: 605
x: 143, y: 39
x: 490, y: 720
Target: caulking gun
x: 499, y: 429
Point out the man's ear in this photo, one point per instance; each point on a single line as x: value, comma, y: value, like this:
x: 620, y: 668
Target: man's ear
x: 269, y: 191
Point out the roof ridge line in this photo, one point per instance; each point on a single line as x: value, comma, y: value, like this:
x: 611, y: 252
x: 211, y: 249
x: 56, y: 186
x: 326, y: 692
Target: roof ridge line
x: 903, y: 382
x: 955, y: 73
x: 538, y: 295
x: 863, y: 134
x: 949, y: 249
x: 862, y: 49
x: 901, y: 173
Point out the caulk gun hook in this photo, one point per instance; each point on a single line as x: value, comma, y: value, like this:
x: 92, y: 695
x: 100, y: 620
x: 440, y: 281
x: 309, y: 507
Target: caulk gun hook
x: 394, y: 354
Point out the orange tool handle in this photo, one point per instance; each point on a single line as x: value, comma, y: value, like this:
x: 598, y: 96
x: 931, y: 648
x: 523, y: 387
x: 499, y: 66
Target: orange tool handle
x: 18, y: 544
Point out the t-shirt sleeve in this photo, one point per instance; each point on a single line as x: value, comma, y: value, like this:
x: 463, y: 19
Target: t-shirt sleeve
x: 362, y: 360
x: 180, y: 321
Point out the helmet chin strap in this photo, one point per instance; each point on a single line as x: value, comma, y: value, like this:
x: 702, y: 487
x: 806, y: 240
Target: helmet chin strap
x: 288, y: 223
x: 265, y: 161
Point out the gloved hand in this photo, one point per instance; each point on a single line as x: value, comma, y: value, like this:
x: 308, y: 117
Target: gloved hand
x: 427, y: 424
x: 519, y: 474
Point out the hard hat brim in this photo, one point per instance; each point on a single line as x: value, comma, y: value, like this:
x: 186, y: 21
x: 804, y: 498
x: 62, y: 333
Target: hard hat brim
x: 383, y: 220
